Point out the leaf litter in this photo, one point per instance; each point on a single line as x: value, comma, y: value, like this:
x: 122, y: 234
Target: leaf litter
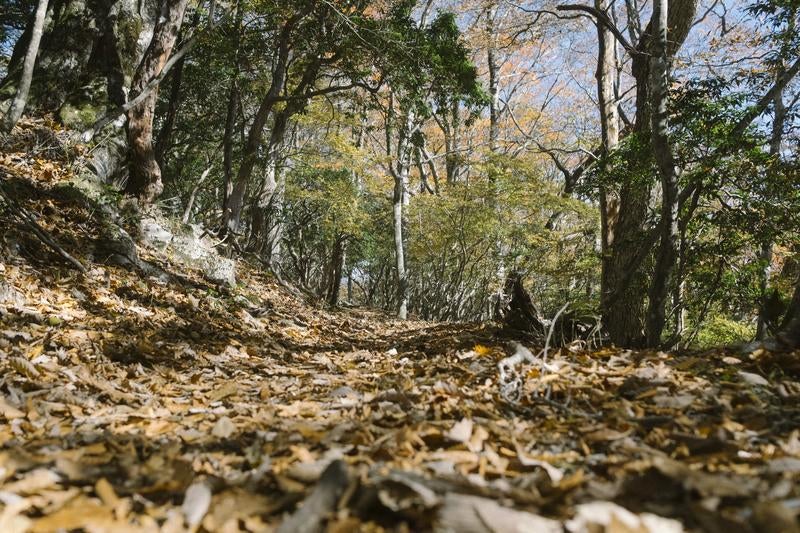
x: 133, y: 404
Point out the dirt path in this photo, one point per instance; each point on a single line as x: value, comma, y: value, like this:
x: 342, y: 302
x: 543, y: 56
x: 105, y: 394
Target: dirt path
x: 125, y: 399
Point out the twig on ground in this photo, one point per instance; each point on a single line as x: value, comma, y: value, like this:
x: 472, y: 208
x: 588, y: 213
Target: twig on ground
x: 543, y: 353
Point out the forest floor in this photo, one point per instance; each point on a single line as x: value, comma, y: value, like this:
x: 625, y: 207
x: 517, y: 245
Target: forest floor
x: 133, y: 404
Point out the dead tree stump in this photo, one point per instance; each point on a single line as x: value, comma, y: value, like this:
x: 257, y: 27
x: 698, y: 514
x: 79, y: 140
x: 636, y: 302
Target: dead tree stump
x: 516, y: 310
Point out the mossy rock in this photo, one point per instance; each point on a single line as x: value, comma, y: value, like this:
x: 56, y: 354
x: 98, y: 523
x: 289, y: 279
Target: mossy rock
x: 79, y: 117
x: 128, y: 32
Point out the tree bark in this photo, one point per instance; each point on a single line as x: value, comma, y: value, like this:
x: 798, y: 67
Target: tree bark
x: 623, y: 276
x: 765, y: 254
x: 165, y: 134
x: 491, y: 60
x: 609, y: 129
x: 400, y: 172
x: 144, y: 179
x: 267, y: 222
x: 790, y: 329
x: 21, y: 97
x: 335, y: 269
x: 625, y: 313
x: 662, y: 152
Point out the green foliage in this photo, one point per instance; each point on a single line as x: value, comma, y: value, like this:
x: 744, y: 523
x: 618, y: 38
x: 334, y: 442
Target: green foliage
x: 631, y: 163
x: 453, y: 74
x: 720, y: 330
x: 325, y: 201
x: 432, y: 65
x: 464, y: 240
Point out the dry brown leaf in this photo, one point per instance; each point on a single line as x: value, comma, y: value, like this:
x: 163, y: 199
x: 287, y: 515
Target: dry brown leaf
x: 24, y: 367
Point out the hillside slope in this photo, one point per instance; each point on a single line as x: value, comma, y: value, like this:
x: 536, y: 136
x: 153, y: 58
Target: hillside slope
x: 155, y: 400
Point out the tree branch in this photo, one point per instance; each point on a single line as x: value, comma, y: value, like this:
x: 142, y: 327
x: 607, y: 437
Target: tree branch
x: 764, y: 102
x: 603, y: 19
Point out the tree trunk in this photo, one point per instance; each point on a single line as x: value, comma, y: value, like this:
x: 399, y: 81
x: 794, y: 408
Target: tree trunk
x: 400, y: 172
x: 662, y: 152
x: 609, y: 125
x: 491, y: 59
x: 400, y: 260
x: 233, y: 212
x: 21, y: 98
x: 165, y: 134
x: 627, y: 280
x: 335, y: 271
x: 623, y: 314
x: 144, y: 179
x: 765, y: 254
x: 231, y: 113
x: 267, y: 227
x: 790, y: 329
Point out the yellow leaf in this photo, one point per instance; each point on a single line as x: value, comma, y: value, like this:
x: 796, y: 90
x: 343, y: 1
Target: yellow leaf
x: 481, y: 351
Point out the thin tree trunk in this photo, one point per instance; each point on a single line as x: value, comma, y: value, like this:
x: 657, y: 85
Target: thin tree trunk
x: 400, y: 260
x: 165, y: 135
x: 297, y: 103
x: 231, y: 114
x: 335, y: 270
x: 400, y: 171
x: 662, y: 152
x: 144, y: 179
x: 267, y: 228
x: 765, y: 254
x: 609, y: 125
x: 491, y: 60
x: 233, y: 211
x: 21, y: 98
x: 227, y: 144
x: 350, y: 287
x: 187, y: 213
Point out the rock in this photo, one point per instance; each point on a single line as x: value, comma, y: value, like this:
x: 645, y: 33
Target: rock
x: 186, y: 244
x: 108, y: 160
x: 784, y: 465
x: 154, y: 234
x: 115, y: 246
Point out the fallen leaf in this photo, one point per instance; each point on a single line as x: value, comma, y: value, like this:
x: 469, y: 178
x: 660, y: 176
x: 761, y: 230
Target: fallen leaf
x: 224, y: 428
x: 753, y: 379
x: 596, y: 517
x: 196, y: 502
x: 461, y: 431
